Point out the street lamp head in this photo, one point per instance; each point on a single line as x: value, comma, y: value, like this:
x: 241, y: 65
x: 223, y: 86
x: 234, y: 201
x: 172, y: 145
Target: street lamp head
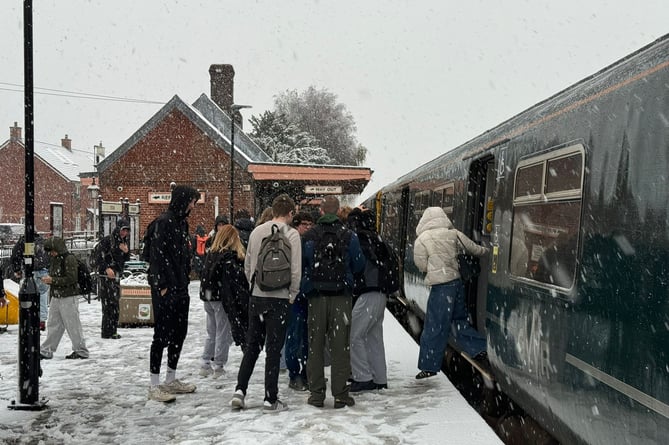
x: 93, y: 191
x: 237, y: 107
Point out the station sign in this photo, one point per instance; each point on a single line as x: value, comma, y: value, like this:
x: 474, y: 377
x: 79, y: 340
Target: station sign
x: 323, y: 189
x: 111, y: 207
x: 166, y: 197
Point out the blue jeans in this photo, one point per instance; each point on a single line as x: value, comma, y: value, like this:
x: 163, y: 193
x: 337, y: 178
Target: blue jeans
x: 43, y: 293
x: 446, y: 316
x: 297, y: 340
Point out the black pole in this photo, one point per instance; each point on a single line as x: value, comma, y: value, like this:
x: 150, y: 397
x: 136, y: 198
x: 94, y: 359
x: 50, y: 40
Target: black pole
x: 29, y: 366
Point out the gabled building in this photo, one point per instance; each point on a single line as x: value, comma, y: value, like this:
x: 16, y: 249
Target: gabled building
x: 190, y: 145
x: 57, y: 183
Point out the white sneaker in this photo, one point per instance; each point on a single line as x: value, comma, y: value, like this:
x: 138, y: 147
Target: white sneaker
x: 159, y: 394
x: 273, y: 407
x: 204, y: 372
x: 178, y: 387
x: 237, y: 401
x: 218, y: 372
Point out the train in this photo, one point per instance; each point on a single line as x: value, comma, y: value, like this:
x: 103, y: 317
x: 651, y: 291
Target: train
x: 572, y: 198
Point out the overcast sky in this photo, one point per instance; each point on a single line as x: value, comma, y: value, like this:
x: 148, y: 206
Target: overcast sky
x: 419, y: 77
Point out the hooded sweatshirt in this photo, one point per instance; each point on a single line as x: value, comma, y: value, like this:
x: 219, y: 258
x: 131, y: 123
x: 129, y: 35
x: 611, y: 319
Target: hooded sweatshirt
x: 170, y: 254
x: 437, y: 247
x: 62, y: 269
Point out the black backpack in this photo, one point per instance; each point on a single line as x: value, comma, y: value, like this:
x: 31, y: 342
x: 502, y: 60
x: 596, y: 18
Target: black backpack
x: 95, y: 259
x: 389, y: 268
x: 84, y: 278
x: 330, y: 257
x: 149, y: 235
x: 273, y: 269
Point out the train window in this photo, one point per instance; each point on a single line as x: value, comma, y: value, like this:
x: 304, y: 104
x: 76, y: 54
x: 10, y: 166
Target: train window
x: 443, y: 197
x: 529, y: 181
x: 546, y: 217
x: 563, y: 175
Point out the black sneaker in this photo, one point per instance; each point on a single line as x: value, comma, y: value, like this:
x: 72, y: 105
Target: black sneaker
x: 342, y: 401
x: 425, y: 374
x: 115, y: 336
x: 363, y: 386
x: 75, y: 355
x: 381, y: 385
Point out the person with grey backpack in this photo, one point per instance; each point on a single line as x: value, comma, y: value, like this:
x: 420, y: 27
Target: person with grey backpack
x: 274, y: 285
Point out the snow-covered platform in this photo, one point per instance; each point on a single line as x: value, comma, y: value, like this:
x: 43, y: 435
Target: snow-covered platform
x: 104, y: 399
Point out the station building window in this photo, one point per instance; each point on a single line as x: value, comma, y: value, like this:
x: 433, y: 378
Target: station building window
x: 546, y: 216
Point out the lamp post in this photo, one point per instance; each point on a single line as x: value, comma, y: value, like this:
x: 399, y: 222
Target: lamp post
x: 93, y: 193
x: 234, y: 108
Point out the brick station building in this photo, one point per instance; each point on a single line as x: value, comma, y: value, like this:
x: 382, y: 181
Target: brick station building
x: 190, y: 145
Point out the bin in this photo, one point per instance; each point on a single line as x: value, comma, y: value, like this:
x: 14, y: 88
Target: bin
x: 135, y: 306
x: 10, y: 313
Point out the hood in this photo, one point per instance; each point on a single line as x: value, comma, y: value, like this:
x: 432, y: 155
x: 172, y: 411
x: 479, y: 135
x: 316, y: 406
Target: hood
x: 57, y: 244
x: 182, y: 196
x: 244, y: 224
x: 328, y: 218
x: 433, y: 218
x: 361, y: 220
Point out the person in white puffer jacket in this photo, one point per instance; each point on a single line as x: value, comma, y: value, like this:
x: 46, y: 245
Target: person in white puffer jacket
x: 435, y: 252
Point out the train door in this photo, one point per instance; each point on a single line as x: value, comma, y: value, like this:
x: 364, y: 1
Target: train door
x: 478, y: 226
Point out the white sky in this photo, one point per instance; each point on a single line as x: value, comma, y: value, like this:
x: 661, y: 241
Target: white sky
x: 103, y: 400
x: 419, y: 77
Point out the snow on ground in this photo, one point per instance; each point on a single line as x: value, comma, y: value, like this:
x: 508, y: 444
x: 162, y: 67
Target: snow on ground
x: 103, y: 400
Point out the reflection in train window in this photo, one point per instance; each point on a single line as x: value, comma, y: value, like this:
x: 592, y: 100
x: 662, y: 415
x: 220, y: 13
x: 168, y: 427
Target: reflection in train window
x: 546, y: 217
x: 443, y: 197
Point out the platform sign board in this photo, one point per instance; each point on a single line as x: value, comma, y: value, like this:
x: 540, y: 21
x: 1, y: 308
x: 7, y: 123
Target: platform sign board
x: 323, y: 189
x: 166, y: 197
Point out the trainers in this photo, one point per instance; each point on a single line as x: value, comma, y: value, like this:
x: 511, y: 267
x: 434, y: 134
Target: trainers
x: 363, y: 386
x: 316, y: 400
x: 237, y: 401
x: 75, y: 355
x: 425, y: 374
x: 115, y: 336
x: 158, y: 394
x: 381, y: 385
x: 268, y: 407
x: 343, y: 401
x: 179, y: 387
x: 298, y: 384
x: 204, y: 372
x: 218, y: 372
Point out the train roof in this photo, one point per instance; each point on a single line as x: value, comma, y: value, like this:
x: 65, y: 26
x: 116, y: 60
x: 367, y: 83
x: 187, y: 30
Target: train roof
x: 655, y: 55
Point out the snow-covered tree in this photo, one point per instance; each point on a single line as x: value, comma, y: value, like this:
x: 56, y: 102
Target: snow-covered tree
x: 318, y: 113
x: 284, y: 142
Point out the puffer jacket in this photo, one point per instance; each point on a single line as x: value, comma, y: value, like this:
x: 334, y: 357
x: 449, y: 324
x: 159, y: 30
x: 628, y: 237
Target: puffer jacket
x: 437, y: 247
x: 63, y: 269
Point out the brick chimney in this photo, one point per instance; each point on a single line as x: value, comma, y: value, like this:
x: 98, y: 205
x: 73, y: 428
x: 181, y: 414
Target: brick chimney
x: 15, y: 133
x: 222, y: 86
x: 66, y: 142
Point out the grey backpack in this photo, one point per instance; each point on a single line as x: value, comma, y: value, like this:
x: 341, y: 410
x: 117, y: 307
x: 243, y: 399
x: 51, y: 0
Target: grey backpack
x: 273, y: 268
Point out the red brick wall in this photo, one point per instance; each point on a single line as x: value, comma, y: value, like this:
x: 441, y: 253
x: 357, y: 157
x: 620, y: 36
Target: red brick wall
x: 49, y: 187
x: 176, y: 150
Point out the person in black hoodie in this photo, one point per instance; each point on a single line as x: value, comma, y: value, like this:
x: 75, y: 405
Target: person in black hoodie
x: 169, y: 269
x: 225, y: 293
x: 244, y: 225
x: 368, y: 356
x: 114, y: 252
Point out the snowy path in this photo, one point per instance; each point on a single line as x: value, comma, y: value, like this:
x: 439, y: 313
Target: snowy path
x: 103, y: 400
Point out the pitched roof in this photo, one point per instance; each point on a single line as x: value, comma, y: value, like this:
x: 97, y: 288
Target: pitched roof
x: 210, y: 119
x: 68, y: 163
